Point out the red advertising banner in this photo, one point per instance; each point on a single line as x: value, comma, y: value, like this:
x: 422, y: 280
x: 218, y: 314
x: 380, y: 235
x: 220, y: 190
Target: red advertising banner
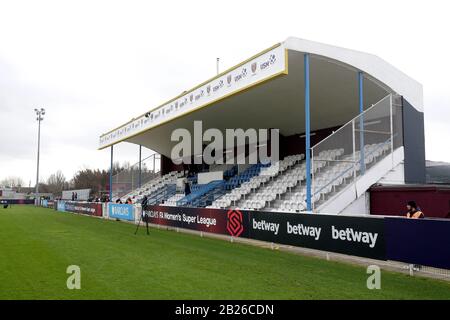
x: 89, y: 208
x: 232, y: 222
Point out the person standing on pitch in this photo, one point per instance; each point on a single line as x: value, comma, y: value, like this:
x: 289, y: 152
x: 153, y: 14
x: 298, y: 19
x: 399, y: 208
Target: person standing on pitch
x: 144, y: 203
x: 144, y: 215
x: 413, y: 211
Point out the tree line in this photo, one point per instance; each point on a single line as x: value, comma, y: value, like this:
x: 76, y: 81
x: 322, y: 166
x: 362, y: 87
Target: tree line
x: 95, y: 179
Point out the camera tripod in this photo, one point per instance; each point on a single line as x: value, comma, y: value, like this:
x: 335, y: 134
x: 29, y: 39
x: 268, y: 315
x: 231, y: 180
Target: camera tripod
x: 144, y: 217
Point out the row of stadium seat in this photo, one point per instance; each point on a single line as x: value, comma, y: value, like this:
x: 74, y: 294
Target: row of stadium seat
x: 266, y: 174
x: 161, y: 195
x: 279, y: 186
x: 244, y: 176
x: 198, y: 191
x: 172, y: 201
x: 330, y: 177
x: 286, y: 174
x: 154, y: 186
x: 202, y: 195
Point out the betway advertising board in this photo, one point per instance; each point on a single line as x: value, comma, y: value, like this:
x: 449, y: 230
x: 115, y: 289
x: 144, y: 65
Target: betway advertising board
x: 359, y: 236
x: 349, y: 235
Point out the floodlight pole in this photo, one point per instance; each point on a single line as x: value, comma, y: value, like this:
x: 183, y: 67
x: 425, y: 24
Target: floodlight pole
x: 39, y: 117
x: 217, y: 65
x: 307, y: 134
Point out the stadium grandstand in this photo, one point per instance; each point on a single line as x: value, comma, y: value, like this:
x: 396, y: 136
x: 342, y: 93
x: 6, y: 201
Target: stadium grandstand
x: 303, y: 145
x: 347, y: 120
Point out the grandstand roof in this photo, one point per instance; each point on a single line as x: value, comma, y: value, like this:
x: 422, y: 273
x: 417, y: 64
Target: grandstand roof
x: 267, y: 91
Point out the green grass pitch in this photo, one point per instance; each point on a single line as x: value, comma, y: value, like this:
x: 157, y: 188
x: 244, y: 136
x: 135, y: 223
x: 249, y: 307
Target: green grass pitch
x: 38, y: 244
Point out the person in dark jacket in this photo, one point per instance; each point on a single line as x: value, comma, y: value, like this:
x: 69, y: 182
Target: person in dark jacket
x: 144, y: 202
x: 413, y: 211
x: 187, y: 187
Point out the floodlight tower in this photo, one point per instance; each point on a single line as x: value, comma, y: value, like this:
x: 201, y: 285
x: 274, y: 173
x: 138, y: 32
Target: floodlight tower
x: 39, y: 117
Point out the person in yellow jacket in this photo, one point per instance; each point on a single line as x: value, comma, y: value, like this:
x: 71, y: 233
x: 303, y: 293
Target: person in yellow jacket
x: 413, y: 211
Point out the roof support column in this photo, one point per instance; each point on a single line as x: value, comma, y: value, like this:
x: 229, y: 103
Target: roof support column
x: 140, y: 166
x: 307, y: 134
x: 111, y: 174
x: 361, y: 121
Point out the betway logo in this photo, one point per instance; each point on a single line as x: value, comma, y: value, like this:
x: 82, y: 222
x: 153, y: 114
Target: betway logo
x: 303, y: 230
x: 354, y: 236
x: 266, y: 226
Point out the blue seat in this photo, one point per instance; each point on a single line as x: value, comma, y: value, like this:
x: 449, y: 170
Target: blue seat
x: 199, y: 191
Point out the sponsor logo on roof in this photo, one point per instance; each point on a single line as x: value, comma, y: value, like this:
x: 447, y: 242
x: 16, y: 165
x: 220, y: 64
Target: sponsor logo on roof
x: 272, y: 59
x: 229, y: 78
x: 254, y: 67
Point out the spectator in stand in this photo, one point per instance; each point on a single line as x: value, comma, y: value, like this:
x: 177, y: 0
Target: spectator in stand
x: 73, y: 196
x: 413, y: 211
x: 187, y: 187
x: 76, y: 196
x: 118, y: 201
x: 129, y: 201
